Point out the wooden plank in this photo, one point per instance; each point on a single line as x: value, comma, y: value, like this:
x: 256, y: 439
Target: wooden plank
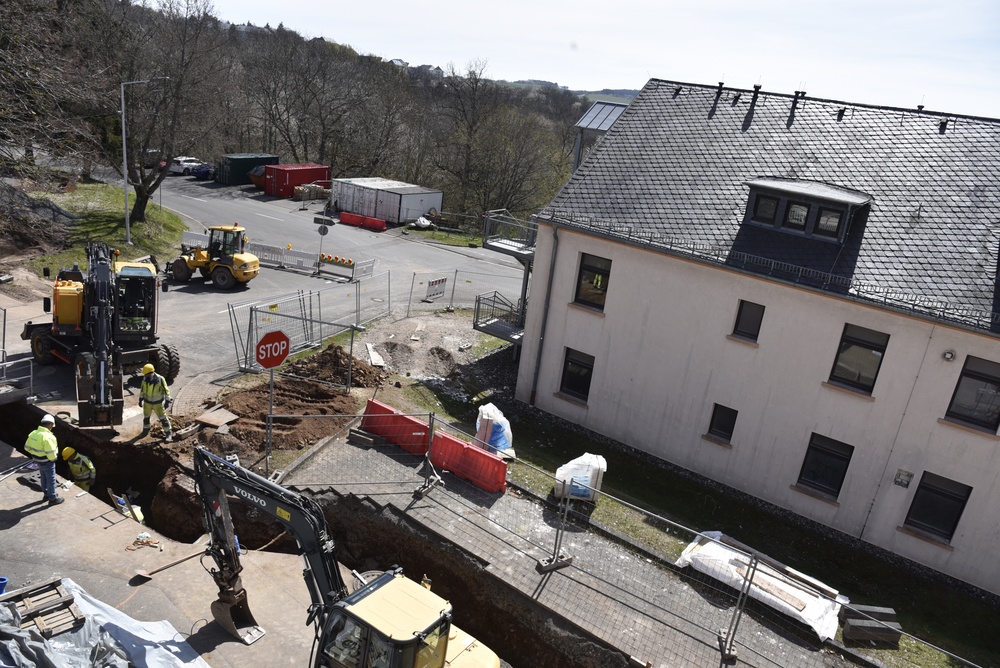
x: 376, y: 359
x: 216, y: 417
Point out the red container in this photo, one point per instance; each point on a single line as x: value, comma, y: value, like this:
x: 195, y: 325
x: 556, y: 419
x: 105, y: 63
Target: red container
x: 351, y: 219
x: 280, y: 180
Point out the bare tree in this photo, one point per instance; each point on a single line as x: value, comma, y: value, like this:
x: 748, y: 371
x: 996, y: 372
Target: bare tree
x: 52, y: 69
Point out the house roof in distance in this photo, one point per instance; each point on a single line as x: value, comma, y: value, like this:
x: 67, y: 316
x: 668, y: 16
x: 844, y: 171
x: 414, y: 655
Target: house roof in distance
x: 675, y: 171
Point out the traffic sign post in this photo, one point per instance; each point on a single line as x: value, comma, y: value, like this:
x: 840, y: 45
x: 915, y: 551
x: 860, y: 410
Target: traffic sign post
x: 270, y: 351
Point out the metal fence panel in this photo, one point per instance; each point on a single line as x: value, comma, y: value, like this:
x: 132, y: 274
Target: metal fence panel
x: 308, y: 318
x: 433, y: 291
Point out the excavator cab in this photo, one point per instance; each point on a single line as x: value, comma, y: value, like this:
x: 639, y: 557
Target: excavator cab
x: 394, y: 622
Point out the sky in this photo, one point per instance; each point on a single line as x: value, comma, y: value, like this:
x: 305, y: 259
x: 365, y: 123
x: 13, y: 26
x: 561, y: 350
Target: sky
x: 942, y: 54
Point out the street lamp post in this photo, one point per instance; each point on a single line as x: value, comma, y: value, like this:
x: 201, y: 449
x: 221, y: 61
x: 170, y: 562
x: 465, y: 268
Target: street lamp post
x: 128, y: 228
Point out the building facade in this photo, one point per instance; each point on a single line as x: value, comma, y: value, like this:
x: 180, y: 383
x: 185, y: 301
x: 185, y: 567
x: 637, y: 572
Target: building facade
x: 794, y: 297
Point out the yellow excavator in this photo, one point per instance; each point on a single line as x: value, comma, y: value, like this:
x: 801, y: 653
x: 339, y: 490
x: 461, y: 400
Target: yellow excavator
x: 389, y: 621
x: 225, y: 260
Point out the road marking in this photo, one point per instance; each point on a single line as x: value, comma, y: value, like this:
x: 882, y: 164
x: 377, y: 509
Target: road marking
x: 197, y: 199
x: 271, y: 217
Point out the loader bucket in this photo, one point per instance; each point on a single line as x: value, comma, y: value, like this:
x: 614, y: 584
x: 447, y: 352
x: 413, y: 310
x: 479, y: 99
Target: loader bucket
x: 235, y: 616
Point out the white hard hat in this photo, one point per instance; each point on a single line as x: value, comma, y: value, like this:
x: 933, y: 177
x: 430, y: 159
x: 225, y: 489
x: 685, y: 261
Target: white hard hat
x: 48, y: 419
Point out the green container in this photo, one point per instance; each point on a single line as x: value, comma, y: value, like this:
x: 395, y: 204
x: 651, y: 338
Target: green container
x: 233, y: 167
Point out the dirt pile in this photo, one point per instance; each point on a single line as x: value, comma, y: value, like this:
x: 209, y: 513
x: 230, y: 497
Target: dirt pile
x: 333, y: 365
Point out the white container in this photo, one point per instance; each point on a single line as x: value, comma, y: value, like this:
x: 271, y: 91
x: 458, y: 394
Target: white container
x: 580, y: 478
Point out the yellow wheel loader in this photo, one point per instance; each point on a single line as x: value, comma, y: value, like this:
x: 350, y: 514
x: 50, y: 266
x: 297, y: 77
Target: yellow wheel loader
x: 225, y: 260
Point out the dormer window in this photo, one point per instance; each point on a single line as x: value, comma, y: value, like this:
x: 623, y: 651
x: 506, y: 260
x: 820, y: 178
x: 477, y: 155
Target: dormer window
x: 803, y: 208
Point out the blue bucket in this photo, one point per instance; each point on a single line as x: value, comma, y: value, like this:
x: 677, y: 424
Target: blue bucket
x: 3, y: 585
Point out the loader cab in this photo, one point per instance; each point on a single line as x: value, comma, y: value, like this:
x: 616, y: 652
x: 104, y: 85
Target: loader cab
x: 226, y: 242
x: 393, y: 622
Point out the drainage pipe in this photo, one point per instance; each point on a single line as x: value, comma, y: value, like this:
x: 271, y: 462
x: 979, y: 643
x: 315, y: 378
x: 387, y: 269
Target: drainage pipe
x: 545, y: 310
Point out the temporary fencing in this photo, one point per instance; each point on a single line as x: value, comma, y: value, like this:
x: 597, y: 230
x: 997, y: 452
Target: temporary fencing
x: 671, y: 587
x: 308, y: 317
x: 433, y: 291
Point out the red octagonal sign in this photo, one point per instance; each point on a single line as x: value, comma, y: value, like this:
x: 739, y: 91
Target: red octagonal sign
x: 272, y: 349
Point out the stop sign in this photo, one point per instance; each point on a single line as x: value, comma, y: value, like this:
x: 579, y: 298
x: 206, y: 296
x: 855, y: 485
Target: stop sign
x: 272, y: 349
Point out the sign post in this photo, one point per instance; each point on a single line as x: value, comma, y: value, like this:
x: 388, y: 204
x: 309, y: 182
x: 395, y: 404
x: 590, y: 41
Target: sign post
x: 270, y: 351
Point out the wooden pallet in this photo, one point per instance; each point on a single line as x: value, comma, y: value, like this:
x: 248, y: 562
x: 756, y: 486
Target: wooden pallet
x: 46, y: 608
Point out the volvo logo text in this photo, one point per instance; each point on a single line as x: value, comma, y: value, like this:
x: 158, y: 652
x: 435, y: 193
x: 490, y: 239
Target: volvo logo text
x: 252, y: 498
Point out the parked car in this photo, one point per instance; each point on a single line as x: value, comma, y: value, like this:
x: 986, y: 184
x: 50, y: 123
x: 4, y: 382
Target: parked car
x: 183, y: 164
x: 152, y: 159
x: 203, y: 172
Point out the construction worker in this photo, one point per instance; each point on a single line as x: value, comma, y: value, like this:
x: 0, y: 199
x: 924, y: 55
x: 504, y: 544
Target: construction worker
x: 43, y: 448
x: 154, y: 395
x: 80, y: 467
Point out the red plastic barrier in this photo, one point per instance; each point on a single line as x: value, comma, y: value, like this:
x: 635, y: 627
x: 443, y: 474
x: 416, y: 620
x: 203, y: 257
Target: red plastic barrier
x: 447, y: 451
x: 407, y: 432
x: 351, y: 219
x: 483, y: 469
x: 376, y: 224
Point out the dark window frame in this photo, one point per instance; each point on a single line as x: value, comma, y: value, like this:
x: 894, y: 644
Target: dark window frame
x: 592, y: 276
x: 835, y: 233
x: 987, y: 373
x: 757, y: 215
x: 824, y: 467
x: 744, y: 326
x: 568, y: 385
x: 787, y: 224
x: 938, y: 521
x: 856, y: 336
x: 723, y: 422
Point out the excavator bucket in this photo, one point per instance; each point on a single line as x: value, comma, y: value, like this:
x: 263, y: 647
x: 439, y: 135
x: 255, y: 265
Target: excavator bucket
x: 234, y: 616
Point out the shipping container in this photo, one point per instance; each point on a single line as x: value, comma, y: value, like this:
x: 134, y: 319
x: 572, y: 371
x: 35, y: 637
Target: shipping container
x: 234, y: 167
x: 392, y: 201
x: 280, y: 180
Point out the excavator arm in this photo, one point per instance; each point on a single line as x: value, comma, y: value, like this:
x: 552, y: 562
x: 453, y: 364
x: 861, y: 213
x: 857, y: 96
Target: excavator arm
x: 216, y: 478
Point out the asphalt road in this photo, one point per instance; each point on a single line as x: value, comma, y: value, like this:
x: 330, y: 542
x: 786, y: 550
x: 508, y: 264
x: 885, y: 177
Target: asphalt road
x: 194, y: 317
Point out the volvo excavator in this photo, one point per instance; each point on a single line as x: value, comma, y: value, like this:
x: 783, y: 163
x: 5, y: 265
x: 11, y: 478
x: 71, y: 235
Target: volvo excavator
x: 104, y: 324
x: 390, y: 621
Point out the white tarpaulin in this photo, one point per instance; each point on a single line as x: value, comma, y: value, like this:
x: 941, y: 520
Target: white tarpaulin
x: 107, y: 638
x: 784, y: 589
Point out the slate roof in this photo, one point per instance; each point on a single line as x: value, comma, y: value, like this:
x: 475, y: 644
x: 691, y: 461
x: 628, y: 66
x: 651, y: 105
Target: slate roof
x: 673, y: 173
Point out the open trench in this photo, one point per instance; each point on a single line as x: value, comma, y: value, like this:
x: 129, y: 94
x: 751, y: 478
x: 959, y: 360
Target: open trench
x: 368, y: 537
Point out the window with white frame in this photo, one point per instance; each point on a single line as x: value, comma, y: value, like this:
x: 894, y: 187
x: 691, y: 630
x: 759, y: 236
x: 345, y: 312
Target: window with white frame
x: 937, y: 506
x: 825, y: 465
x: 977, y: 396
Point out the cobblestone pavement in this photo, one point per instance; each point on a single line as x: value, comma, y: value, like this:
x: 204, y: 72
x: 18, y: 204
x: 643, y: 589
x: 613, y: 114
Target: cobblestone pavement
x: 656, y: 617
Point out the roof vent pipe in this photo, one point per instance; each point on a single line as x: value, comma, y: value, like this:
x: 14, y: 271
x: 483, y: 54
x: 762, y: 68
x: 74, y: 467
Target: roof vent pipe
x: 943, y: 126
x: 756, y: 92
x: 920, y: 107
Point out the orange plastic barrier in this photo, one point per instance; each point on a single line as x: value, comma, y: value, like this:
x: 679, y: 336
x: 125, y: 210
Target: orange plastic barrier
x: 483, y: 469
x: 351, y: 219
x: 376, y: 224
x: 407, y: 432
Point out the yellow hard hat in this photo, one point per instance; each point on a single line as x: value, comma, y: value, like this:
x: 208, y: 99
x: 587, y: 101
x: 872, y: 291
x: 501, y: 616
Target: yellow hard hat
x: 149, y: 368
x: 68, y: 453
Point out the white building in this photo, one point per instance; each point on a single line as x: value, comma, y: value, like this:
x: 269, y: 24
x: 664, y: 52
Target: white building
x: 794, y: 297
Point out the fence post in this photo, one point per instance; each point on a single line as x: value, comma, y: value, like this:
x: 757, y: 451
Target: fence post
x: 451, y: 300
x: 412, y: 283
x: 727, y: 636
x: 559, y: 559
